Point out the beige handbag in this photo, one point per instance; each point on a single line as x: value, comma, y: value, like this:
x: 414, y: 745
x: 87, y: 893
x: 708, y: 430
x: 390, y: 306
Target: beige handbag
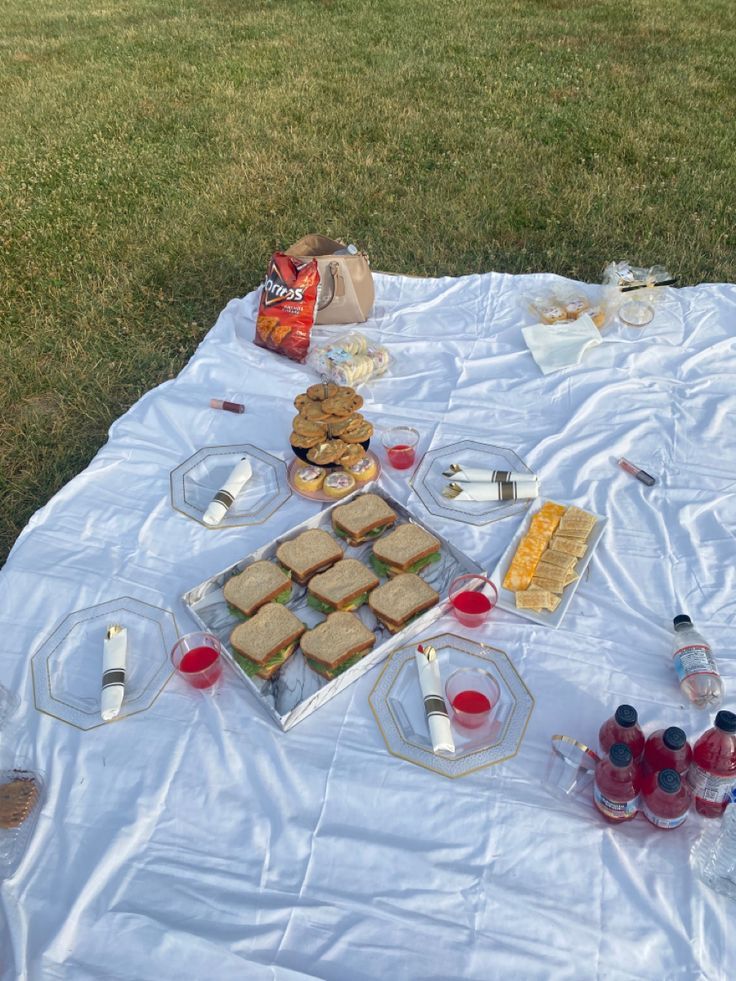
x: 346, y: 285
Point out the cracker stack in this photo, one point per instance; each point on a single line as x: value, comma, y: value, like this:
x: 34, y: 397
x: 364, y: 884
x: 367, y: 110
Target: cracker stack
x: 545, y: 561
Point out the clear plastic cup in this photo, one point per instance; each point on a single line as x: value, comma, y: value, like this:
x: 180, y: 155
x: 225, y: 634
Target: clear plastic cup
x: 636, y: 313
x: 400, y: 444
x: 197, y: 658
x: 570, y: 767
x: 472, y: 694
x: 472, y: 597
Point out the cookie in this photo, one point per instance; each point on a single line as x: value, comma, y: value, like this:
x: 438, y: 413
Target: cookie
x: 336, y: 427
x: 342, y: 406
x: 314, y: 411
x: 358, y: 434
x: 353, y: 454
x: 327, y: 452
x: 322, y: 391
x: 309, y: 428
x: 344, y: 391
x: 302, y: 442
x: 17, y: 798
x: 301, y: 400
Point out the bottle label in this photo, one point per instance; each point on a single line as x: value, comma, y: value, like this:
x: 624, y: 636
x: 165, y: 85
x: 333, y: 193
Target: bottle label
x: 694, y: 659
x: 619, y: 810
x: 662, y: 822
x: 708, y: 786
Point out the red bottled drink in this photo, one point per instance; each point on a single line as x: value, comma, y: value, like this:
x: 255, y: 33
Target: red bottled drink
x: 668, y: 749
x: 623, y: 728
x: 667, y: 803
x: 712, y: 772
x: 617, y: 785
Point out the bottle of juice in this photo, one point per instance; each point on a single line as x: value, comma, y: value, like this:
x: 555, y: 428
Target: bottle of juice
x: 666, y: 804
x: 623, y: 728
x: 617, y: 784
x: 712, y: 772
x: 695, y: 666
x: 668, y: 749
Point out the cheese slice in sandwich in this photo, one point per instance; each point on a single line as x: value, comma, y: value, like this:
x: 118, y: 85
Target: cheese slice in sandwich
x: 336, y: 644
x: 364, y: 518
x: 408, y: 548
x: 258, y: 584
x: 343, y: 587
x: 401, y: 600
x: 263, y: 644
x: 309, y: 553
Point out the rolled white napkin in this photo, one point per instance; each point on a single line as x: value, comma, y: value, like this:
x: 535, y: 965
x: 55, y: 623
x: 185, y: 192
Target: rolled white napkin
x: 434, y: 702
x: 521, y: 490
x: 114, y: 656
x: 469, y: 475
x: 223, y: 499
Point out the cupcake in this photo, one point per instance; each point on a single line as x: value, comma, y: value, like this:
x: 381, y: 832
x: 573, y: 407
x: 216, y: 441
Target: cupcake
x: 364, y: 470
x: 309, y: 479
x: 338, y: 484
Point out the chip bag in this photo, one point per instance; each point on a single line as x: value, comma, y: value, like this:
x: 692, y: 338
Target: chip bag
x: 288, y: 306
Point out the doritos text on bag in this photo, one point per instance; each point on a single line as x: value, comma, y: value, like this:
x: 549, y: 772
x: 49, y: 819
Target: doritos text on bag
x: 288, y: 306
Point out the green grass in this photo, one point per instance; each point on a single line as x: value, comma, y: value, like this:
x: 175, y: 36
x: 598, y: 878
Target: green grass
x: 153, y: 154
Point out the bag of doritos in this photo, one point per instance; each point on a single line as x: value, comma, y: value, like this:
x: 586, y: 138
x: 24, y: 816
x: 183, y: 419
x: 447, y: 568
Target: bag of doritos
x: 288, y: 306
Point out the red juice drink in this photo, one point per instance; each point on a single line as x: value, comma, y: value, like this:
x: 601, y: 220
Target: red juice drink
x: 668, y: 749
x: 712, y: 772
x: 623, y: 728
x: 666, y: 804
x: 617, y: 785
x: 201, y: 667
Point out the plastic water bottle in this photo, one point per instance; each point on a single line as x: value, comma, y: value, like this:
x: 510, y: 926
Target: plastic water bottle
x: 696, y: 669
x: 714, y: 856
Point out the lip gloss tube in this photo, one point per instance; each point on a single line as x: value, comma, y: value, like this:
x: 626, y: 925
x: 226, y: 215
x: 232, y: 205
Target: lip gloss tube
x: 642, y: 475
x: 227, y: 406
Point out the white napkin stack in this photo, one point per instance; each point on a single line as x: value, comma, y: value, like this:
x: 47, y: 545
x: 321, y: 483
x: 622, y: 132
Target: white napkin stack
x: 558, y: 346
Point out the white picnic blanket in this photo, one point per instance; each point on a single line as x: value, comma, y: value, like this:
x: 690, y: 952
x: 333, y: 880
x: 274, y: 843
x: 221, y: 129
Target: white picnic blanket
x: 196, y: 840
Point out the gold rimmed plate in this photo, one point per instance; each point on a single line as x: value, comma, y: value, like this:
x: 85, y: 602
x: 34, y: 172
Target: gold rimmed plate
x: 397, y: 705
x: 196, y: 481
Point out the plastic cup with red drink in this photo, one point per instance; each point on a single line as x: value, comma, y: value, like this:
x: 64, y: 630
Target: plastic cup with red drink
x: 400, y: 444
x: 472, y: 694
x: 472, y: 597
x: 197, y: 658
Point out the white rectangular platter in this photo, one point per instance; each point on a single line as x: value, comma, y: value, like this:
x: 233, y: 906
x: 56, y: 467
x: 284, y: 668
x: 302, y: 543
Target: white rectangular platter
x: 507, y: 600
x: 296, y: 691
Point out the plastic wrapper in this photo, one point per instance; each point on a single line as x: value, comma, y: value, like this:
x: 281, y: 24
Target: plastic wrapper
x: 349, y: 360
x: 288, y: 306
x: 22, y: 792
x: 559, y: 304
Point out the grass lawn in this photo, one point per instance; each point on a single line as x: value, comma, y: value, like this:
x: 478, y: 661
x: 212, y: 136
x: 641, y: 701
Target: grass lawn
x: 154, y: 153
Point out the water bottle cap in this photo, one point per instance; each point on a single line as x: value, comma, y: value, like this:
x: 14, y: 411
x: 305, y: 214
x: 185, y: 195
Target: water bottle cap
x: 626, y: 716
x: 620, y: 755
x: 674, y: 738
x: 726, y: 721
x: 669, y: 781
x: 682, y: 620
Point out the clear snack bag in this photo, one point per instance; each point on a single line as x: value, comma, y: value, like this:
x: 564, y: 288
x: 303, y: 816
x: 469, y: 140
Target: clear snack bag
x: 349, y: 360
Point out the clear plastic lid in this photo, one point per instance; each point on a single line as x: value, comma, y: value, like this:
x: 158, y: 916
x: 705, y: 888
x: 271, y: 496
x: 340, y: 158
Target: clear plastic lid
x: 22, y: 791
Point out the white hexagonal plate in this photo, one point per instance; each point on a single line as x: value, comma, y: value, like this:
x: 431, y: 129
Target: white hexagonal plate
x: 428, y: 481
x: 67, y: 667
x: 396, y: 701
x: 196, y: 481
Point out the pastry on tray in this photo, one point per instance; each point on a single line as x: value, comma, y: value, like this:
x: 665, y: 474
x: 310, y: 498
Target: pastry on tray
x: 338, y: 484
x: 364, y: 470
x: 309, y: 479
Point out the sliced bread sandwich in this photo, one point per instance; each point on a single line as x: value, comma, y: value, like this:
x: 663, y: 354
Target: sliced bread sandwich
x: 258, y: 584
x: 309, y: 553
x: 343, y: 587
x: 263, y: 644
x: 364, y: 518
x: 401, y: 600
x: 336, y: 644
x: 407, y: 548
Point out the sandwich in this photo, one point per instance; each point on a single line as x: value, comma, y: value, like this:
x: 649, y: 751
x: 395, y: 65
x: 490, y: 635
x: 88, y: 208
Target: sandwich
x: 365, y: 517
x: 258, y: 584
x: 401, y: 600
x: 309, y: 553
x: 343, y: 587
x: 408, y: 548
x: 263, y: 644
x: 336, y: 644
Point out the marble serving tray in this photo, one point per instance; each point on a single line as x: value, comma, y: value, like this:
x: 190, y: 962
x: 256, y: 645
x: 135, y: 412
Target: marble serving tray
x: 296, y: 691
